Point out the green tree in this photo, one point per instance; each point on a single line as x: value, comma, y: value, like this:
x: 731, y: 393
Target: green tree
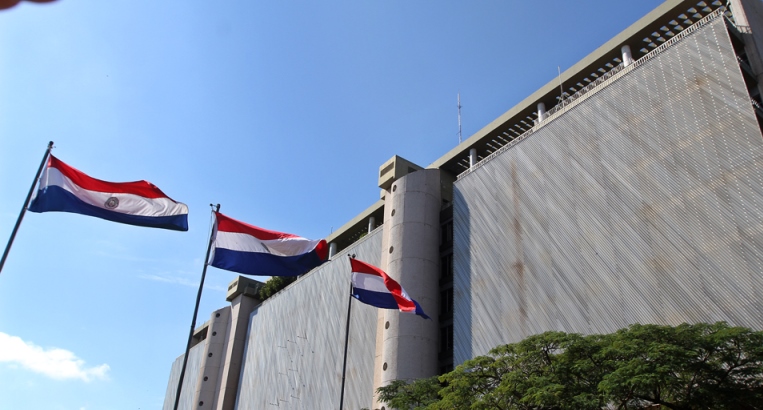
x: 702, y: 366
x: 275, y: 284
x: 692, y: 367
x: 532, y: 374
x: 418, y: 394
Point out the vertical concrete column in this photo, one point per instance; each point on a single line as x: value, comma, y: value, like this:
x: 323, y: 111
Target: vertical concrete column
x: 472, y: 157
x: 241, y: 308
x: 332, y: 250
x: 211, y: 363
x: 371, y: 224
x: 750, y: 13
x: 627, y: 56
x: 541, y: 112
x: 738, y: 11
x: 410, y: 255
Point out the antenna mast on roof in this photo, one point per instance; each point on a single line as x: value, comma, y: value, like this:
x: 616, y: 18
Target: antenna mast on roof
x: 459, y: 117
x: 561, y: 88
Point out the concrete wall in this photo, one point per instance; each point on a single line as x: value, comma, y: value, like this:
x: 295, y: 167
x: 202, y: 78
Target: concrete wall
x: 643, y: 203
x: 295, y: 345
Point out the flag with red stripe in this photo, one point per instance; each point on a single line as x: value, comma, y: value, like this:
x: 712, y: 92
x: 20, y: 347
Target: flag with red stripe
x: 66, y: 189
x: 247, y: 249
x: 374, y: 287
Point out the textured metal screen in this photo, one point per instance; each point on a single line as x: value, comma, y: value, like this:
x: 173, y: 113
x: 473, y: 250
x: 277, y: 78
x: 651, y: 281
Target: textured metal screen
x: 295, y: 346
x: 642, y: 204
x: 190, y: 378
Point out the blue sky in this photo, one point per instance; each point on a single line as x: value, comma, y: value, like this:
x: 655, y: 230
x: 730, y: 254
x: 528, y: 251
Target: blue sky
x: 281, y: 111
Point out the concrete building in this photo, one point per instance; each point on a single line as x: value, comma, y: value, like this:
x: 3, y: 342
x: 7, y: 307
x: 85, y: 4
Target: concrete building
x: 634, y: 197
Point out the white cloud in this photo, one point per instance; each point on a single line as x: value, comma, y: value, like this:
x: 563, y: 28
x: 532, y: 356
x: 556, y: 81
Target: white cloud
x: 171, y: 279
x: 53, y: 362
x: 177, y: 280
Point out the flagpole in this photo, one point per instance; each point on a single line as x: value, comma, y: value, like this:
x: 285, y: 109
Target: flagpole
x: 26, y: 203
x: 346, y: 342
x: 195, y: 312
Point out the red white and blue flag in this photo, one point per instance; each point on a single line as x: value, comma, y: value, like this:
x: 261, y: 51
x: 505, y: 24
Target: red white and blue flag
x: 374, y: 287
x: 247, y: 249
x: 66, y: 189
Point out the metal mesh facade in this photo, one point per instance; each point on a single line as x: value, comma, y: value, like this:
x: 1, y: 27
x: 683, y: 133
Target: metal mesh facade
x: 641, y: 204
x: 190, y: 378
x: 295, y: 346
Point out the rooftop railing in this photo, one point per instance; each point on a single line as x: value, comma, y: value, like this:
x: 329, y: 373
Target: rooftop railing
x: 600, y: 83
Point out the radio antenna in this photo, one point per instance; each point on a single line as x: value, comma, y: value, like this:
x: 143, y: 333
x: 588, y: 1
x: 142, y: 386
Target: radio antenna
x: 459, y: 117
x: 561, y: 88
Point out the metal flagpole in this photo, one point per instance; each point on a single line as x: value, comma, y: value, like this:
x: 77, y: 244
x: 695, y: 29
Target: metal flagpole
x: 23, y: 208
x: 195, y: 312
x: 346, y: 341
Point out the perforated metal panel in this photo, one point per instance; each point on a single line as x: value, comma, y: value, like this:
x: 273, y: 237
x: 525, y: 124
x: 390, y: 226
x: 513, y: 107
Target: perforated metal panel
x: 295, y: 346
x: 190, y: 378
x: 643, y: 203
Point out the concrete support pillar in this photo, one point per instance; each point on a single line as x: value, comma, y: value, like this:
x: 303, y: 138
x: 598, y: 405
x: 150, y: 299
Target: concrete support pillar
x: 371, y: 224
x: 738, y: 11
x: 332, y: 250
x: 207, y: 387
x: 241, y: 307
x: 410, y: 255
x: 749, y: 13
x: 541, y: 112
x: 627, y: 56
x: 472, y: 157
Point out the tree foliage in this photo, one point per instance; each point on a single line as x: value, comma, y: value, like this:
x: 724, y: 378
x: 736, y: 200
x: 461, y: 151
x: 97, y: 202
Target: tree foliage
x: 275, y: 284
x: 692, y: 367
x: 415, y: 395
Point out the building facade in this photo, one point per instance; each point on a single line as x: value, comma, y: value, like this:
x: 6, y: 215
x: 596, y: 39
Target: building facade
x: 634, y: 197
